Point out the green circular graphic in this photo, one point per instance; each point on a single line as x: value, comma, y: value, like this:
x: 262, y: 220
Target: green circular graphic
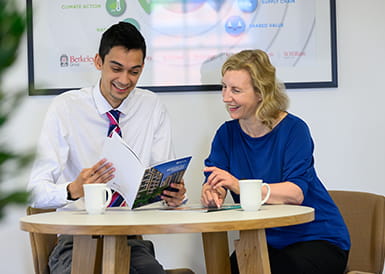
x: 116, y: 7
x: 132, y: 21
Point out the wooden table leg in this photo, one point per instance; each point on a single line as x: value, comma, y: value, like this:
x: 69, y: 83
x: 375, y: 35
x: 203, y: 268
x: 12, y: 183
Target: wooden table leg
x: 116, y: 255
x: 84, y: 254
x: 252, y: 254
x: 216, y: 248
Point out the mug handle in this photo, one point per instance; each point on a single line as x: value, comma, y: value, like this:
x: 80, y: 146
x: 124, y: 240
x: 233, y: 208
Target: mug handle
x: 109, y: 197
x: 267, y: 194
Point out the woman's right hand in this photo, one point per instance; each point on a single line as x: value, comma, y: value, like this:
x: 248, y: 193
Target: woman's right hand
x: 211, y: 197
x: 220, y: 178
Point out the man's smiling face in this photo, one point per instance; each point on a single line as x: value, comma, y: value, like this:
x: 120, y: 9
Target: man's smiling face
x: 120, y: 73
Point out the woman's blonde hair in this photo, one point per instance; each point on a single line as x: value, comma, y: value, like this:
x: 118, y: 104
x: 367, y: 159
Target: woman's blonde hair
x: 264, y: 82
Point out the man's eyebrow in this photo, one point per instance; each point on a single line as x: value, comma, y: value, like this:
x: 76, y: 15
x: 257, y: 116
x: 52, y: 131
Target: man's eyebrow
x: 116, y: 63
x: 137, y: 67
x: 120, y: 65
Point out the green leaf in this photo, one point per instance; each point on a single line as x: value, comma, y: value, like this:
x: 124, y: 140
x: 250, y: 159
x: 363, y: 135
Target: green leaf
x: 12, y: 27
x: 16, y: 197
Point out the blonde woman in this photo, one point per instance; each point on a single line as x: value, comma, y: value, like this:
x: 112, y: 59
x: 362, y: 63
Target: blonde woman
x: 264, y: 141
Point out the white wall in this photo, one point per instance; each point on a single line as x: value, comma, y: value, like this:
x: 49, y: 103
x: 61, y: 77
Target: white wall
x: 347, y: 124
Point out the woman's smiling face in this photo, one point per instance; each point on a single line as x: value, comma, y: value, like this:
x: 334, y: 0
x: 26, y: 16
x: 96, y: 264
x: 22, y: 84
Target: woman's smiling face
x: 239, y: 95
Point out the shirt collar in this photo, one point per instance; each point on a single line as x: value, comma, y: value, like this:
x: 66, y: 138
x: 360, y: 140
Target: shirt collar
x: 103, y: 106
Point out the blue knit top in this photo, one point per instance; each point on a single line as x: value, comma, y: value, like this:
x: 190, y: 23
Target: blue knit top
x: 284, y: 154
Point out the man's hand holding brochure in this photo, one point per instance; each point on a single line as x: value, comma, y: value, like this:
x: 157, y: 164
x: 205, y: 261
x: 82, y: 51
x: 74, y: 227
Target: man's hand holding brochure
x: 140, y: 185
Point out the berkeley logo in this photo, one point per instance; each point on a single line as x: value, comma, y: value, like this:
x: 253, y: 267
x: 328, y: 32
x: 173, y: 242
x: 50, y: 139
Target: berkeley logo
x: 64, y: 60
x: 72, y: 60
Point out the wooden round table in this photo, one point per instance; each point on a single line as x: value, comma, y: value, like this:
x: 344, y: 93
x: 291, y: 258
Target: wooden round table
x: 115, y: 224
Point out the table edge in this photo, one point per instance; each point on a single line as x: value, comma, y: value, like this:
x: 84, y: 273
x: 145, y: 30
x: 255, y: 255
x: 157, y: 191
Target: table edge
x: 167, y: 228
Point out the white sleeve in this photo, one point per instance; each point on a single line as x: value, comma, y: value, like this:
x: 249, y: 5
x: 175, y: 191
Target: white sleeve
x: 47, y: 187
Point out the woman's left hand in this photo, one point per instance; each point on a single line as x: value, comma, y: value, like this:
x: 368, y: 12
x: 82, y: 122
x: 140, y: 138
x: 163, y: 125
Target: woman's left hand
x: 222, y: 178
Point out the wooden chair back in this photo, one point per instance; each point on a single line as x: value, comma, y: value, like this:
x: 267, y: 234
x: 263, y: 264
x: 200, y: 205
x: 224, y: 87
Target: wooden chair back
x: 364, y: 215
x: 41, y: 245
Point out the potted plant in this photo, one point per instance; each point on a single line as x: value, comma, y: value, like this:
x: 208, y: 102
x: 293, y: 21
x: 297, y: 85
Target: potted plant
x: 12, y: 28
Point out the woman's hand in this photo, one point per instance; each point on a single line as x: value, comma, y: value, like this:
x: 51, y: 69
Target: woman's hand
x: 211, y: 197
x: 220, y: 178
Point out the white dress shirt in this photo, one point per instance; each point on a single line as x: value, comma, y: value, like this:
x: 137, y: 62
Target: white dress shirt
x: 74, y: 132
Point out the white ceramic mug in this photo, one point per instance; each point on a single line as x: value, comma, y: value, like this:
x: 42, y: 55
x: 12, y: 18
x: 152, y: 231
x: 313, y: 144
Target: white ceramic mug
x: 96, y: 198
x: 251, y: 194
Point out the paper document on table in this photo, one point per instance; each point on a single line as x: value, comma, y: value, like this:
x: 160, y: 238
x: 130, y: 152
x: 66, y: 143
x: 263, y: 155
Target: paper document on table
x: 204, y: 209
x: 139, y: 185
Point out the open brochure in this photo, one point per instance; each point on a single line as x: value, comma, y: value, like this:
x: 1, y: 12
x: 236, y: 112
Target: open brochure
x: 140, y: 185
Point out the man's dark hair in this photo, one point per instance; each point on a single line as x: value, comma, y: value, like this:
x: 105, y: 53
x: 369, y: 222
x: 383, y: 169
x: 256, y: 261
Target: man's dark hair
x: 122, y: 34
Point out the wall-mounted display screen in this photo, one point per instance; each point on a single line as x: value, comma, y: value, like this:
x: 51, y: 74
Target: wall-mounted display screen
x: 187, y: 40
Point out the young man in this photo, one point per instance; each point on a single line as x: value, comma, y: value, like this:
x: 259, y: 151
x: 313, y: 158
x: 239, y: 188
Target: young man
x: 76, y: 126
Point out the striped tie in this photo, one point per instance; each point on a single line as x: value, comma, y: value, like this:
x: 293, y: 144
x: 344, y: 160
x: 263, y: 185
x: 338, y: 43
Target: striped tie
x: 113, y: 117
